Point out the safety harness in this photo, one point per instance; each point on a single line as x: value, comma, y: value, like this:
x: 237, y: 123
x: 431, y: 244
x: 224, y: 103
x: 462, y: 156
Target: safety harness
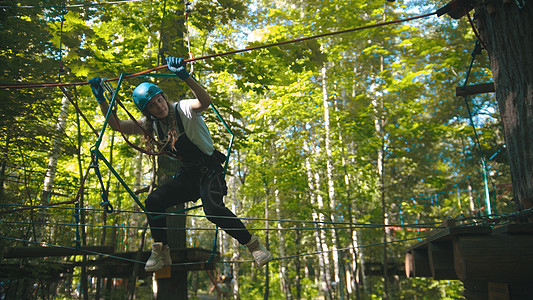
x: 191, y: 154
x: 212, y: 184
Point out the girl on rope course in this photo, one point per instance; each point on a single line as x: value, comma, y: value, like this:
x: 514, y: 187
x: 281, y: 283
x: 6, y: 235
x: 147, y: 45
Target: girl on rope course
x: 181, y: 128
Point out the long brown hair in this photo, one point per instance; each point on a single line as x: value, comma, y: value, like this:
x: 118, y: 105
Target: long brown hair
x: 172, y: 133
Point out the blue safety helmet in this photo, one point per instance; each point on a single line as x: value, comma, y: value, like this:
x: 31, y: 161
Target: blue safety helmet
x: 143, y: 93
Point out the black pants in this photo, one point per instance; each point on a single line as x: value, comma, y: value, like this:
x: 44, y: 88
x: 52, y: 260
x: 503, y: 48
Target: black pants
x: 186, y: 186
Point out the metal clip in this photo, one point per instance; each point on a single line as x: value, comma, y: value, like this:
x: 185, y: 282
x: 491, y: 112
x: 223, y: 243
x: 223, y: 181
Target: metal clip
x: 108, y: 89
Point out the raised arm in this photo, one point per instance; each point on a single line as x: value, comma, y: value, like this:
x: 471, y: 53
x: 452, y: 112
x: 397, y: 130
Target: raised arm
x: 125, y: 126
x: 178, y: 66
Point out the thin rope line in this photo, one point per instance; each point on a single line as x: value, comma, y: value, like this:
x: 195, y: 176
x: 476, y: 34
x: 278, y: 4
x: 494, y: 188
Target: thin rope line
x: 376, y: 225
x: 326, y: 251
x: 75, y: 104
x: 69, y: 6
x: 33, y: 85
x: 179, y: 228
x: 196, y: 263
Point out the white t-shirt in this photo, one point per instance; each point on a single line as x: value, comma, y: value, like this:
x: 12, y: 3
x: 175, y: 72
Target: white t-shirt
x: 195, y: 127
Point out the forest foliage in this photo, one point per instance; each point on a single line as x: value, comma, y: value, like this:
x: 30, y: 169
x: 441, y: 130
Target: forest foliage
x: 334, y: 136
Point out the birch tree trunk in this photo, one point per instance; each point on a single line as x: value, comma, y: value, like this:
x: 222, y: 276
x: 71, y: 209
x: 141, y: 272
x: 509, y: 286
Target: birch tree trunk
x: 356, y: 254
x: 331, y: 185
x: 379, y: 123
x: 236, y: 267
x: 284, y: 268
x: 50, y: 175
x: 320, y: 234
x: 4, y: 165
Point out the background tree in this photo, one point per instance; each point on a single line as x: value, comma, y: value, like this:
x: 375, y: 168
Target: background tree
x: 501, y: 24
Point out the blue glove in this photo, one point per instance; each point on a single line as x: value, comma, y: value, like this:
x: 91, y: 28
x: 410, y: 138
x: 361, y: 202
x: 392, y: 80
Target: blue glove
x: 97, y: 89
x: 177, y: 66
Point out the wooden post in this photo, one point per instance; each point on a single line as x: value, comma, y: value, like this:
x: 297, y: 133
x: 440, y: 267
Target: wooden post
x: 175, y: 285
x: 441, y: 260
x: 417, y: 260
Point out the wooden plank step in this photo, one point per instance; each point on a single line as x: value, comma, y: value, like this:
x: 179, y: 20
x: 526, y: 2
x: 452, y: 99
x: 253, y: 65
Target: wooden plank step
x: 475, y: 89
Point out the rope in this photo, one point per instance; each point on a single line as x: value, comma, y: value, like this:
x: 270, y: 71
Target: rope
x: 187, y: 10
x: 63, y: 13
x: 70, y: 248
x: 36, y: 85
x: 51, y: 205
x: 477, y: 50
x: 108, y: 208
x: 330, y: 251
x: 497, y: 218
x: 69, y: 6
x: 186, y: 228
x: 353, y: 225
x: 75, y: 104
x: 77, y: 218
x: 474, y: 29
x: 197, y: 263
x: 140, y: 149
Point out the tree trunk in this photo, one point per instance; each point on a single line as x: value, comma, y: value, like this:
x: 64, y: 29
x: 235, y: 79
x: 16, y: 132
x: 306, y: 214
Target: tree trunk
x: 313, y: 180
x: 267, y: 246
x: 174, y: 287
x: 233, y: 269
x: 284, y: 268
x: 52, y: 164
x: 297, y: 265
x: 331, y: 187
x: 506, y: 31
x: 56, y: 151
x: 4, y: 165
x: 379, y: 125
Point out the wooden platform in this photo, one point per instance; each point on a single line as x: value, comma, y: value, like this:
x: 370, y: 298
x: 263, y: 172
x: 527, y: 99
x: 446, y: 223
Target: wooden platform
x: 115, y: 265
x: 376, y: 269
x: 41, y: 251
x: 479, y: 255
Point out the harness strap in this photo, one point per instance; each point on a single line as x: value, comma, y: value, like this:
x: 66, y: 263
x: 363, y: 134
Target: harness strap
x: 178, y: 118
x: 179, y: 123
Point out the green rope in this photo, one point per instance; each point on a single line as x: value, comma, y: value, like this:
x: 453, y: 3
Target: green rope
x: 352, y: 224
x: 477, y: 50
x: 207, y: 229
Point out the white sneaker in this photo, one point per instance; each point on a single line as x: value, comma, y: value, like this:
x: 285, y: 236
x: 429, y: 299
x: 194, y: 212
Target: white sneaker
x: 159, y: 257
x: 260, y: 253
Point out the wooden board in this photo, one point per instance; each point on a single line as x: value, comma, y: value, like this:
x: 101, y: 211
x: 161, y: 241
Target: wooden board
x: 441, y: 260
x: 447, y: 234
x: 39, y: 251
x: 498, y: 291
x: 494, y: 258
x: 417, y: 263
x: 475, y: 89
x: 165, y: 272
x: 519, y: 228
